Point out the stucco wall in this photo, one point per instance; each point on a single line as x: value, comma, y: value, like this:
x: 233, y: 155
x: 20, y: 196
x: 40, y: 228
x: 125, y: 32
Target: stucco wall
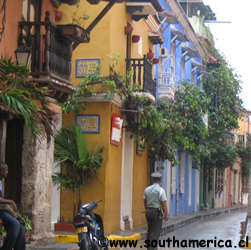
x: 105, y: 46
x: 8, y: 43
x: 140, y: 182
x: 38, y: 162
x: 106, y: 186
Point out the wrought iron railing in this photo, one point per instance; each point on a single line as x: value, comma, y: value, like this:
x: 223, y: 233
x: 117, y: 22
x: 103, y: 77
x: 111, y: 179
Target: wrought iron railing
x: 142, y: 74
x: 51, y: 51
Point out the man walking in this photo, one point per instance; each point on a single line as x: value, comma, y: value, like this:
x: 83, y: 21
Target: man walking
x: 156, y: 209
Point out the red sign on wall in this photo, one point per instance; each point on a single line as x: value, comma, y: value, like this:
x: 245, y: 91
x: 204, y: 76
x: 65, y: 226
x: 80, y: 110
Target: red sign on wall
x: 116, y: 129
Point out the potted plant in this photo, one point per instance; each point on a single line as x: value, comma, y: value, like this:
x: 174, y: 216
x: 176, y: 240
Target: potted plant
x: 135, y: 38
x: 74, y: 31
x: 128, y: 29
x: 150, y: 55
x: 58, y: 15
x: 3, y: 234
x: 155, y: 60
x: 28, y: 226
x: 79, y: 165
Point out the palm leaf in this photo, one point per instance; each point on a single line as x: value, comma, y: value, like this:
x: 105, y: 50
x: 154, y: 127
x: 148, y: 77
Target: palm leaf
x: 71, y: 149
x: 18, y: 94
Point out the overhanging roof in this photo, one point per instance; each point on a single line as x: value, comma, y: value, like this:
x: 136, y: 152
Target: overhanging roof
x: 156, y: 37
x: 198, y: 65
x: 143, y: 7
x: 178, y: 35
x: 189, y: 51
x: 168, y: 17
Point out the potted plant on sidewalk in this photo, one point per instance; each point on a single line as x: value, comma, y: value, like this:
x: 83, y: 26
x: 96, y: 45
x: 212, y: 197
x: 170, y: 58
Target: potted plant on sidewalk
x: 79, y: 165
x: 28, y: 227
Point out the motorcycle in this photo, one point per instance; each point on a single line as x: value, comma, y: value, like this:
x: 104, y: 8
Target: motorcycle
x: 89, y: 227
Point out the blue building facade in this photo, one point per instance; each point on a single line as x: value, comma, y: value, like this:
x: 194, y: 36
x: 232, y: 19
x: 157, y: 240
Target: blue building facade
x: 179, y: 61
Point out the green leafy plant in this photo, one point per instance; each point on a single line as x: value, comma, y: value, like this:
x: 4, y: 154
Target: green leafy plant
x: 3, y: 232
x: 27, y: 222
x: 167, y: 125
x: 222, y: 87
x: 79, y: 18
x: 244, y: 152
x: 23, y: 97
x: 79, y: 165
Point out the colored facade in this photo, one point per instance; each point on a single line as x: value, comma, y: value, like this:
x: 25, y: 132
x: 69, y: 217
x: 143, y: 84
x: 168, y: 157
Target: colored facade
x: 124, y: 173
x: 231, y: 187
x: 161, y: 27
x: 180, y: 60
x: 31, y: 163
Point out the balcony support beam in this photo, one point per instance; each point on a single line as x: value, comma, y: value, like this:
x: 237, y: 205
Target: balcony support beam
x: 96, y: 21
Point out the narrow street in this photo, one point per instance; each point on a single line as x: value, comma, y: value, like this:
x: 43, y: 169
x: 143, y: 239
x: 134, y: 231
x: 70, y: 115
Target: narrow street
x: 222, y: 229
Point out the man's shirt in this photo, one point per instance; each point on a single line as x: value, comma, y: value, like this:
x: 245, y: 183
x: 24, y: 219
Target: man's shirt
x: 154, y: 195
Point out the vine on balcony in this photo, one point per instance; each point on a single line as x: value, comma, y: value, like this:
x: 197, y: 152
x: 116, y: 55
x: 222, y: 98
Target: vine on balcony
x: 163, y: 126
x: 169, y: 124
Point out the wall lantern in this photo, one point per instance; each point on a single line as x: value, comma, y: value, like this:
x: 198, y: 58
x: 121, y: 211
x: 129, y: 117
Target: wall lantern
x: 23, y: 55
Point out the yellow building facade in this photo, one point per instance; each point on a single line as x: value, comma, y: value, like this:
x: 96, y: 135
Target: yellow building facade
x: 124, y: 173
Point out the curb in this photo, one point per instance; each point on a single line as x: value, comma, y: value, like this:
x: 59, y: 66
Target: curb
x: 172, y: 226
x: 62, y: 238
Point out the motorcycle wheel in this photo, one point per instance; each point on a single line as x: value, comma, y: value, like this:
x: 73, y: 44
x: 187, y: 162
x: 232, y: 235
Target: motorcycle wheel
x: 85, y: 243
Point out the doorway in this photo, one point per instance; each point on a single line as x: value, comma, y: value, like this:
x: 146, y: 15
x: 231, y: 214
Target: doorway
x: 14, y: 142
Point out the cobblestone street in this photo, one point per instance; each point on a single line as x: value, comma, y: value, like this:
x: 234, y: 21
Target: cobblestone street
x: 220, y: 229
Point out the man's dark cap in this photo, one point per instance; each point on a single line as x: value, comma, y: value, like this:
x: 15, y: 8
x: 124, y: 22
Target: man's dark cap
x: 156, y: 175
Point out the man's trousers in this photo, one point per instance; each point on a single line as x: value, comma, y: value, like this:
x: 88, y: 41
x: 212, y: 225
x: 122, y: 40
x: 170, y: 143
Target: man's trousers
x: 154, y: 222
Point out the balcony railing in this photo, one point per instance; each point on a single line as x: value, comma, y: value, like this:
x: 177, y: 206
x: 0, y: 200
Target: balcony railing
x: 51, y: 53
x: 142, y: 74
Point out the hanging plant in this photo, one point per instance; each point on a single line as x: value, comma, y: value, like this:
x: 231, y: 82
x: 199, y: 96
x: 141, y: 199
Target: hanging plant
x: 135, y: 38
x: 128, y: 29
x: 166, y: 125
x: 150, y: 55
x: 58, y: 15
x: 155, y: 60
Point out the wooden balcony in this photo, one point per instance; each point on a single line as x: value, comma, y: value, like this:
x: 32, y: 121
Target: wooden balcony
x: 51, y: 54
x: 142, y: 74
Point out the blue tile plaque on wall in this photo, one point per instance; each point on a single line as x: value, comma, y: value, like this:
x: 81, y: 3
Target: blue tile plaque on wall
x: 87, y: 67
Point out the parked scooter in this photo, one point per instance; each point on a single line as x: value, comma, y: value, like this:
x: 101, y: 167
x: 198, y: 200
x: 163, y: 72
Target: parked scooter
x: 89, y: 227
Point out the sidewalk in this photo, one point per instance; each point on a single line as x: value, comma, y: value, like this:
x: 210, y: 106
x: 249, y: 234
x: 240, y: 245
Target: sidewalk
x: 171, y: 225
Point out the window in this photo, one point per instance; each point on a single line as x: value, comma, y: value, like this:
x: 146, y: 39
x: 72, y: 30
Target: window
x: 219, y: 181
x: 241, y: 138
x: 28, y: 11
